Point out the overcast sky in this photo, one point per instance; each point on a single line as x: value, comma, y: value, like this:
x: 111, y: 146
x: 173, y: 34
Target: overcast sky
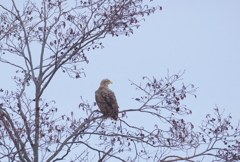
x: 201, y: 37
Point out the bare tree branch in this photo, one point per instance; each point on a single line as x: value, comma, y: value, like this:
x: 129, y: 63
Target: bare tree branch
x: 49, y: 36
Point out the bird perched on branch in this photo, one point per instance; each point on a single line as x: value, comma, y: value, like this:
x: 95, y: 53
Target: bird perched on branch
x: 106, y: 100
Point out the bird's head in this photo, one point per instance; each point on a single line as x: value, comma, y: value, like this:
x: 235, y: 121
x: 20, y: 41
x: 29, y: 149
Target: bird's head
x: 106, y: 82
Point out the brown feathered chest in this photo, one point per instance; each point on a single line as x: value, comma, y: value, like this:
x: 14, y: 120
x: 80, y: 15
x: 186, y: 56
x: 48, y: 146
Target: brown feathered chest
x: 107, y: 102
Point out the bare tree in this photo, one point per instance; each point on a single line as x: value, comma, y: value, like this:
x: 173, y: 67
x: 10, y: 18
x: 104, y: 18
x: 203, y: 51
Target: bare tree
x: 44, y: 37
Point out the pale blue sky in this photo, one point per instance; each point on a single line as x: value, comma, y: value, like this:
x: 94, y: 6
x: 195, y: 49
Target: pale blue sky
x: 201, y: 37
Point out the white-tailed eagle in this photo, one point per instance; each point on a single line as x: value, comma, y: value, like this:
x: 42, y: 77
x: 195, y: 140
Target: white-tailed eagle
x: 106, y: 100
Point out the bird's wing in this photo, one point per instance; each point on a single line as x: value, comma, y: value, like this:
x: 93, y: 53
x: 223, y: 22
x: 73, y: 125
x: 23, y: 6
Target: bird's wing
x: 110, y: 98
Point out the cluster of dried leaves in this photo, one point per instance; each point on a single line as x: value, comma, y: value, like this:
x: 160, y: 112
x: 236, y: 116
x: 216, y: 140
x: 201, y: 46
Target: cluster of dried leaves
x: 47, y: 36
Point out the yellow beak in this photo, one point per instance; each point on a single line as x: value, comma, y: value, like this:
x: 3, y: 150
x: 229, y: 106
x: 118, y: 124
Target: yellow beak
x: 110, y: 82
